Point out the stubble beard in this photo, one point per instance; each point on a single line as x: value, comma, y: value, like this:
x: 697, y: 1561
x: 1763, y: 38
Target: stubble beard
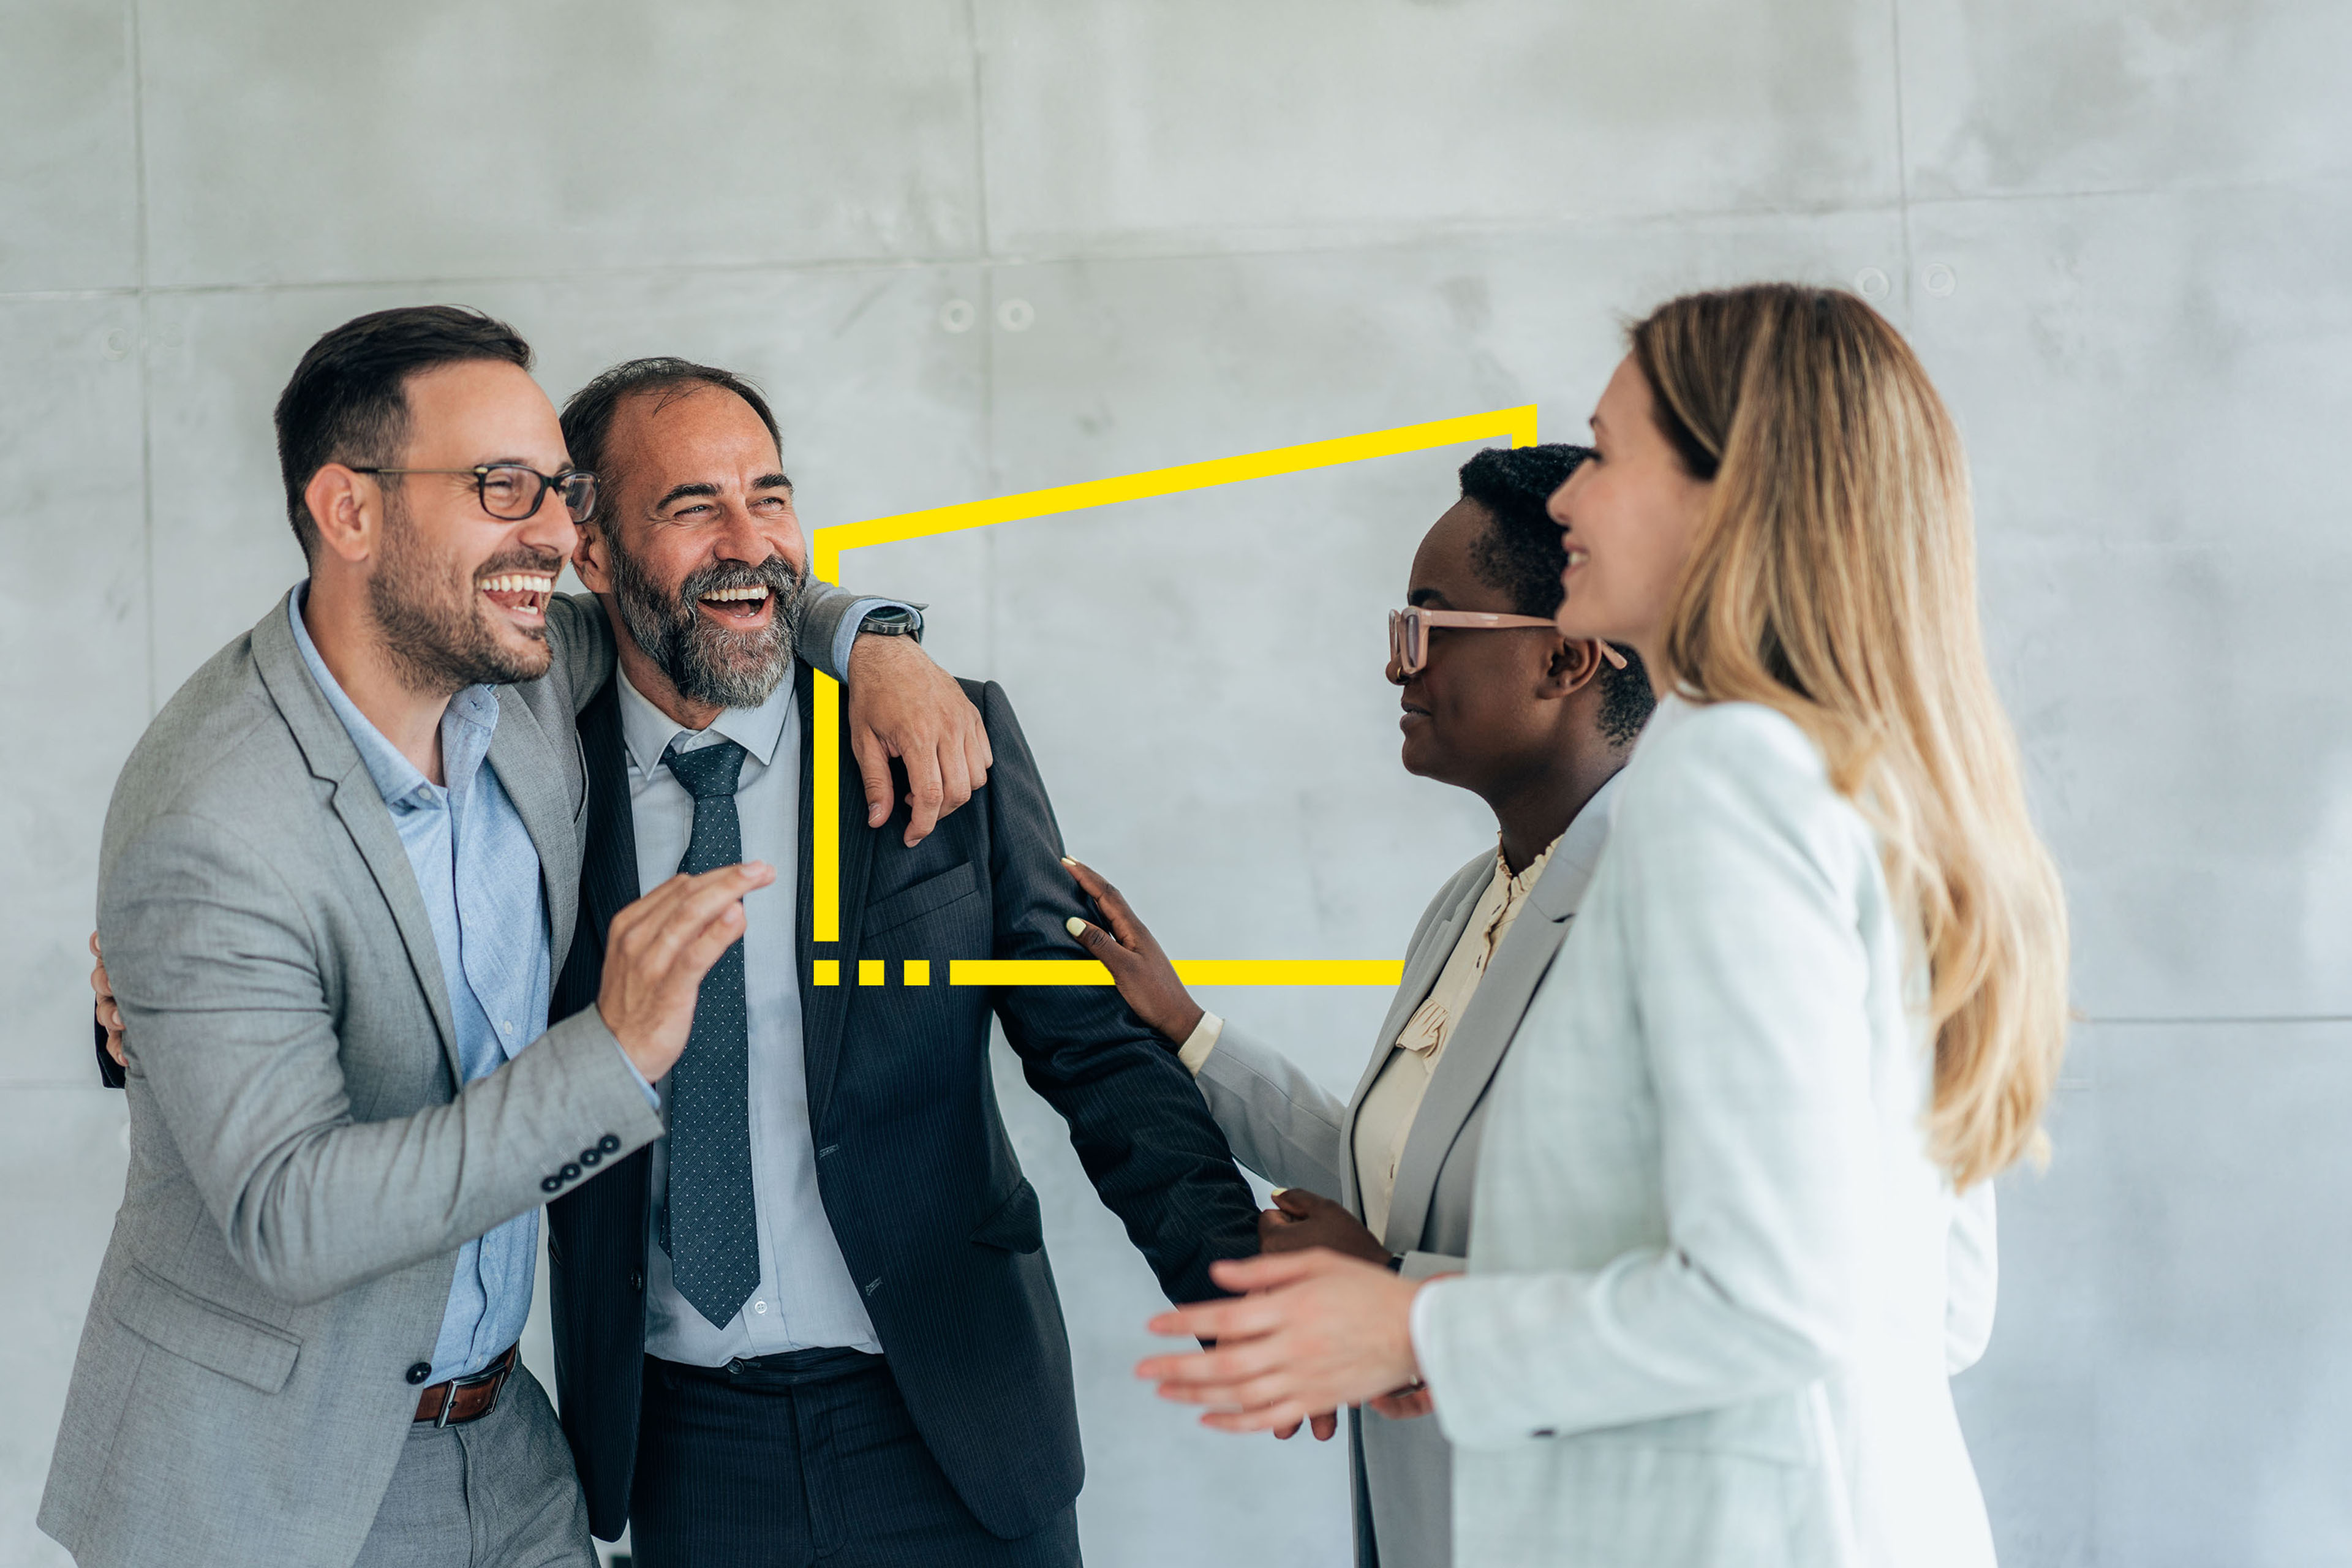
x: 435, y: 624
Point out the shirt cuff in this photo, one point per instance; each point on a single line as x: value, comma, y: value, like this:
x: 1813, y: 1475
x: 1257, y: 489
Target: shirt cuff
x: 653, y: 1095
x: 845, y: 636
x: 1419, y: 1325
x: 1194, y: 1052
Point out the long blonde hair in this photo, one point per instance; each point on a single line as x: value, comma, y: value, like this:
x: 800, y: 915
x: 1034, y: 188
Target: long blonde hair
x: 1833, y: 578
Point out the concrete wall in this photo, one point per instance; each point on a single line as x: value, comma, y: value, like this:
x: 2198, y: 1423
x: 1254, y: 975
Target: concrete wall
x: 2116, y: 230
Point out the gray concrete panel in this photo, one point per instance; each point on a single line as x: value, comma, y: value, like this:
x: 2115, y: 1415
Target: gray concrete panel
x: 337, y: 143
x: 73, y: 653
x: 61, y: 1166
x: 68, y: 159
x: 2167, y: 1382
x: 2061, y: 96
x: 1183, y: 124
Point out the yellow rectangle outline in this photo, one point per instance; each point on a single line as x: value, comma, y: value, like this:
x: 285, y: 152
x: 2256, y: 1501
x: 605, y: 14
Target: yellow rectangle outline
x: 828, y: 544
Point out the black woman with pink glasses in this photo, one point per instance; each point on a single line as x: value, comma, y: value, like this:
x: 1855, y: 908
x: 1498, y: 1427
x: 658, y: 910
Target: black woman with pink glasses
x: 1497, y: 702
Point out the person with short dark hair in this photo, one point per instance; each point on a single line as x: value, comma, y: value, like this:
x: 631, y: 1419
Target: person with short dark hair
x: 817, y: 1323
x: 339, y: 872
x: 1496, y: 702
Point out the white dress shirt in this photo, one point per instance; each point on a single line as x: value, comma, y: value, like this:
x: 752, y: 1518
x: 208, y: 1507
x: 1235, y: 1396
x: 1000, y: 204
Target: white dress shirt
x: 805, y: 1298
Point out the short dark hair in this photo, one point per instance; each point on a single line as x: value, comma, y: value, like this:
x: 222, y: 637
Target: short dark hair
x: 347, y: 402
x: 588, y: 414
x: 1520, y: 553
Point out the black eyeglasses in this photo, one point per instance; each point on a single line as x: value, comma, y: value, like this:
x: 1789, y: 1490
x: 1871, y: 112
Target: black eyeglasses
x: 511, y: 492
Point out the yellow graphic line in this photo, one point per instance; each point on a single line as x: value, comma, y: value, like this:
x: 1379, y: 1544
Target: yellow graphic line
x: 1192, y: 972
x: 827, y: 545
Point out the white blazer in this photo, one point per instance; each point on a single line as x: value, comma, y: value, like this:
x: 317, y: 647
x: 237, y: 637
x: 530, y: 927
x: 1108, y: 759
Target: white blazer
x: 1717, y: 1285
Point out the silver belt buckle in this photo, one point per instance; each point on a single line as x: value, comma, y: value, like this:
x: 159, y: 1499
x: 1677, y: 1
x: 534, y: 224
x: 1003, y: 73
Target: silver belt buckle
x: 490, y: 1375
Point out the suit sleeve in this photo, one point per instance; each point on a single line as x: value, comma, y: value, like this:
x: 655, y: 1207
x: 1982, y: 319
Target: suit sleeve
x: 580, y: 636
x: 220, y: 982
x: 110, y: 1076
x: 1281, y: 1123
x: 1735, y: 883
x: 1149, y: 1145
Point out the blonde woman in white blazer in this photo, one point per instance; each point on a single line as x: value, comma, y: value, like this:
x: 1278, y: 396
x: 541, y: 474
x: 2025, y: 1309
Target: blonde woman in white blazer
x: 1813, y: 999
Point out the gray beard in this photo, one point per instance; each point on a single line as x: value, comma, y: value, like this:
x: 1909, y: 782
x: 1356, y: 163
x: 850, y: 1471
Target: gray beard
x: 437, y: 630
x: 706, y: 662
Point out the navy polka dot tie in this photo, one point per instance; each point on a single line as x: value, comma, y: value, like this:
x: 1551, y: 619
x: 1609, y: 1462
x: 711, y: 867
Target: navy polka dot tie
x: 707, y: 1230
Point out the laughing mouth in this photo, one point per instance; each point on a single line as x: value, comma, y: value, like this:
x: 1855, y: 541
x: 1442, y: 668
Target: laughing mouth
x: 737, y: 604
x: 526, y: 593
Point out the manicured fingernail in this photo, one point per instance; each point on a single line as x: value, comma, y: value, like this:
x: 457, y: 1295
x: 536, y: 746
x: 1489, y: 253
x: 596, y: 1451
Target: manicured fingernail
x: 1068, y: 861
x: 1276, y: 1192
x: 1077, y: 926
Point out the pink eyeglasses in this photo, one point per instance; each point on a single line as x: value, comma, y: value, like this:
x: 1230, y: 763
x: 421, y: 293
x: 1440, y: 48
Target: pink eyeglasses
x: 1409, y: 633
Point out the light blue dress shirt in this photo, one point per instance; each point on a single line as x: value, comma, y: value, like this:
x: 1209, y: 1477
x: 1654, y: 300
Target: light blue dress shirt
x: 479, y: 874
x: 805, y: 1298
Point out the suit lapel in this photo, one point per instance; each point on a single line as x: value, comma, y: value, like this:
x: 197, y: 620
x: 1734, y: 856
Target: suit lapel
x: 824, y: 1009
x: 608, y: 869
x: 1421, y: 970
x: 326, y: 747
x: 532, y: 775
x: 1484, y: 1035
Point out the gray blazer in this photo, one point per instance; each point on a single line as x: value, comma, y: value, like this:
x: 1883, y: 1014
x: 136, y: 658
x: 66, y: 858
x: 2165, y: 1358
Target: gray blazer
x: 1290, y: 1129
x: 305, y: 1157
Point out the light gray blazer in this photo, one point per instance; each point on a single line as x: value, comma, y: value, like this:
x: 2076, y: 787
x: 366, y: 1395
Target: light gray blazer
x: 304, y: 1162
x: 1290, y: 1129
x: 1718, y: 1283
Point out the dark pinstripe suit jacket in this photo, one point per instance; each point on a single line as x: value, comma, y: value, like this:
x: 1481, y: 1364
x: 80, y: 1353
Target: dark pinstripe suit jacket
x: 917, y: 1173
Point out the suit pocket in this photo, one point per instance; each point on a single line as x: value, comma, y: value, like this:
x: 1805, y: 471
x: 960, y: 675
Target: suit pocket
x: 925, y: 897
x: 199, y: 1330
x: 1016, y: 1224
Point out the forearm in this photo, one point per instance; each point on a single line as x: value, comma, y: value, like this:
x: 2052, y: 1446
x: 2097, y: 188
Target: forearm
x: 1281, y: 1123
x: 316, y: 1210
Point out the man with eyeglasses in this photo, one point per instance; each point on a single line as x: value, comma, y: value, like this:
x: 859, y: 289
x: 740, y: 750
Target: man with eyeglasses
x: 337, y: 874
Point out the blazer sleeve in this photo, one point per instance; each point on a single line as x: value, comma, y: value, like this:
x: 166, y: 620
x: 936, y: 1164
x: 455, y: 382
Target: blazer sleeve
x: 222, y: 987
x: 579, y: 639
x: 1281, y: 1123
x: 1146, y: 1140
x: 1972, y: 1269
x: 1737, y: 882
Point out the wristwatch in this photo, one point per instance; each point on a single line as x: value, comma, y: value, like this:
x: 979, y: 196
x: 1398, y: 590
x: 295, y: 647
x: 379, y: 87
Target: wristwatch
x: 893, y: 621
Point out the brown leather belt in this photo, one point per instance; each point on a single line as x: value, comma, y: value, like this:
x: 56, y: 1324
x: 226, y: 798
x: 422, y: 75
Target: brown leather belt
x: 464, y: 1399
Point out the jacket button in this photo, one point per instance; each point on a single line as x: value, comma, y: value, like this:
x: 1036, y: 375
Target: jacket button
x: 591, y: 1156
x: 419, y: 1373
x: 608, y: 1144
x: 636, y: 1280
x: 570, y: 1171
x: 550, y: 1183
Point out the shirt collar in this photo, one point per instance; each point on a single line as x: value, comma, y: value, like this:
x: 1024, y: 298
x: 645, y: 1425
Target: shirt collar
x: 398, y: 780
x: 647, y: 732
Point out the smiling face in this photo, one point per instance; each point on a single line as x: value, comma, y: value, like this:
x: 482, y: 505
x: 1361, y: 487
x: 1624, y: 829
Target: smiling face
x: 459, y: 597
x: 698, y: 546
x: 1629, y: 512
x: 1485, y: 710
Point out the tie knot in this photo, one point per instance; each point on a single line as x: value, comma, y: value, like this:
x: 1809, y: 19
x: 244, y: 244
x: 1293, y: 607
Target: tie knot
x: 707, y: 770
